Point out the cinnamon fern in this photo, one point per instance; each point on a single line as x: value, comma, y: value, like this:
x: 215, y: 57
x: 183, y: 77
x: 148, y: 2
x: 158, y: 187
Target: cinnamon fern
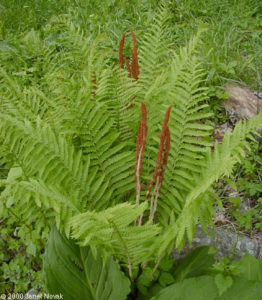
x: 80, y: 159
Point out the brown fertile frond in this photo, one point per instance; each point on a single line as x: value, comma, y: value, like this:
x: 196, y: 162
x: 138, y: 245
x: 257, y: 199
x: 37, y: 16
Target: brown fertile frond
x: 162, y: 157
x: 165, y: 143
x: 135, y: 66
x: 121, y: 51
x: 161, y: 162
x: 162, y: 154
x: 140, y: 148
x: 141, y: 141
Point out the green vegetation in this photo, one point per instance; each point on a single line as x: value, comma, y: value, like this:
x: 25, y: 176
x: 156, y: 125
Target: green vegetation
x: 242, y: 194
x: 232, y: 45
x: 69, y: 122
x: 197, y: 277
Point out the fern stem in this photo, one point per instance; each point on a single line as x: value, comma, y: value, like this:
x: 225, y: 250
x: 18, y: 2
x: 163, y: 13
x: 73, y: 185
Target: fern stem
x: 161, y: 162
x: 138, y: 185
x: 156, y: 265
x: 94, y: 84
x: 127, y: 252
x: 154, y: 198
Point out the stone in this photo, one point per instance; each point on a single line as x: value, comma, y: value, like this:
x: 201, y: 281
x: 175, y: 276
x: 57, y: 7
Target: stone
x: 227, y: 243
x: 219, y: 132
x: 242, y: 103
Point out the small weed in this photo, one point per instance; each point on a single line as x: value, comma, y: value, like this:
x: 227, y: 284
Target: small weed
x: 246, y: 206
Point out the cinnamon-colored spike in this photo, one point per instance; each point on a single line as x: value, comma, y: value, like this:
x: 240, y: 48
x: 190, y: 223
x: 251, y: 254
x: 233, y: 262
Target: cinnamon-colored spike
x: 140, y: 148
x: 162, y: 154
x: 121, y: 51
x: 166, y: 119
x: 135, y: 66
x: 161, y: 162
x: 141, y: 142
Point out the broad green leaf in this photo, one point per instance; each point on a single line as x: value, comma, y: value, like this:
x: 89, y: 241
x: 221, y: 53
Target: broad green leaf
x: 204, y: 288
x: 223, y: 283
x: 197, y: 288
x: 249, y: 268
x: 76, y: 274
x: 166, y: 263
x: 195, y: 264
x: 145, y: 278
x: 166, y: 278
x: 243, y: 290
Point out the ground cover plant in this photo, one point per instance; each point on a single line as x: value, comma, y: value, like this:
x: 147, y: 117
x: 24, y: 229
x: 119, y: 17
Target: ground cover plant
x: 241, y: 194
x: 77, y: 101
x: 232, y: 49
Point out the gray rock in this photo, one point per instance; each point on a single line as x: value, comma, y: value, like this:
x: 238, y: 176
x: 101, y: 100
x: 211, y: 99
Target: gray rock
x: 242, y: 103
x: 228, y: 243
x: 259, y: 95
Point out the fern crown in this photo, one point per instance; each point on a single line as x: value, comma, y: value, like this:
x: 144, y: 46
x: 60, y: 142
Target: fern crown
x: 84, y: 156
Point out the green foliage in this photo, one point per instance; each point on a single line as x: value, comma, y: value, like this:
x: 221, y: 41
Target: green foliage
x: 223, y: 283
x: 112, y: 230
x: 204, y: 287
x: 68, y: 123
x: 233, y: 280
x: 190, y: 289
x: 232, y: 44
x: 249, y: 172
x: 22, y: 245
x: 75, y: 273
x: 20, y: 259
x: 195, y: 264
x: 27, y: 14
x: 245, y: 206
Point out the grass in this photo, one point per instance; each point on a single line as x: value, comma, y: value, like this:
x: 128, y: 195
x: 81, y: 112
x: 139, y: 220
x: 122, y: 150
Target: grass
x: 232, y: 48
x: 19, y: 16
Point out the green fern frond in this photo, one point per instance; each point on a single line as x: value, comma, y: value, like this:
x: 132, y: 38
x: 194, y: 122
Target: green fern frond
x: 92, y: 124
x: 118, y: 93
x: 113, y: 230
x: 18, y: 205
x: 43, y: 153
x: 27, y: 103
x: 152, y: 56
x: 218, y: 163
x: 188, y: 136
x: 54, y: 198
